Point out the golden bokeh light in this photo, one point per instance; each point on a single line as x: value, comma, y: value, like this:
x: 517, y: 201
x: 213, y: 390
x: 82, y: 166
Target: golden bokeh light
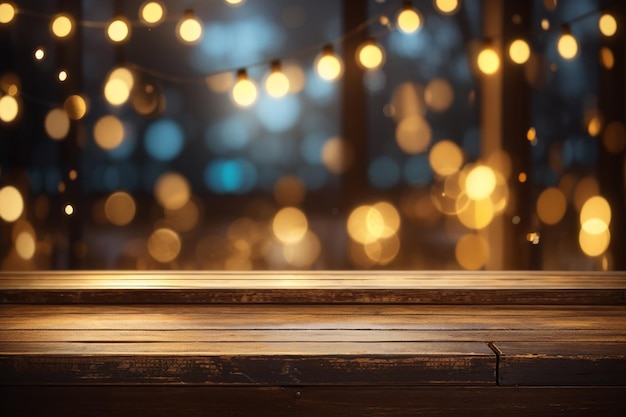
x: 475, y: 214
x: 62, y: 75
x: 519, y: 51
x: 607, y: 59
x: 120, y: 208
x: 108, y: 132
x: 594, y: 125
x: 383, y: 220
x: 551, y: 205
x: 62, y: 26
x: 221, y: 82
x: 438, y: 95
x: 407, y: 100
x: 305, y: 252
x: 68, y: 209
x: 336, y: 155
x: 184, y: 219
x: 445, y: 158
x: 152, y: 13
x: 7, y: 13
x: 472, y: 251
x: 244, y: 92
x: 9, y: 108
x: 116, y: 91
x: 25, y: 245
x: 480, y: 182
x: 500, y: 161
x: 172, y: 191
x: 567, y: 46
x: 290, y: 225
x: 614, y: 137
x: 296, y: 76
x: 447, y: 6
x: 409, y: 20
x: 190, y: 28
x: 39, y: 54
x: 585, y: 189
x: 328, y: 65
x: 57, y: 124
x: 594, y: 244
x: 545, y: 24
x: 277, y: 83
x: 370, y: 55
x: 413, y: 134
x: 522, y: 177
x: 488, y: 61
x: 11, y: 204
x: 164, y: 245
x: 10, y: 83
x: 595, y: 215
x: 289, y: 191
x: 357, y: 225
x: 235, y: 3
x: 607, y: 25
x: 118, y: 30
x: 382, y: 251
x: 75, y: 106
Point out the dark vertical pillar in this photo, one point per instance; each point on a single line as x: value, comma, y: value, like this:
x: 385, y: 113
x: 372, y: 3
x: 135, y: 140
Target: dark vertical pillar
x: 611, y: 98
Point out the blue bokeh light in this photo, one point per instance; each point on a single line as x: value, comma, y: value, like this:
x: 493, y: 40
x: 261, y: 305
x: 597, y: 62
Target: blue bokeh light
x: 278, y: 115
x: 384, y: 172
x: 230, y: 176
x: 417, y: 170
x: 164, y: 140
x: 311, y: 147
x: 230, y: 134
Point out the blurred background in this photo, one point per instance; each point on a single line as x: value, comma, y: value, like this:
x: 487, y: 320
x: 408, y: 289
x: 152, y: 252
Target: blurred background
x: 290, y: 134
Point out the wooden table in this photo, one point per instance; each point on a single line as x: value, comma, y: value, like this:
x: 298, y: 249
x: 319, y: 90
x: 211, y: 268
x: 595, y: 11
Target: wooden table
x: 313, y: 344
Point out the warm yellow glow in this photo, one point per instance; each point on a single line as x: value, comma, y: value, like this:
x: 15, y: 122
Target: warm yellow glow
x: 108, y: 132
x: 409, y: 21
x: 164, y: 245
x: 244, y: 92
x: 382, y: 251
x: 290, y: 225
x: 62, y: 26
x: 595, y: 215
x: 606, y: 57
x: 522, y: 177
x: 357, y: 225
x: 370, y: 55
x: 7, y: 13
x: 11, y: 203
x: 475, y: 214
x: 413, y: 134
x: 303, y: 253
x: 235, y: 2
x: 439, y: 95
x: 39, y: 54
x: 480, y: 182
x: 519, y: 51
x: 116, y: 91
x: 336, y: 155
x: 607, y: 25
x: 545, y: 24
x: 567, y: 46
x: 447, y: 6
x: 594, y: 244
x: 62, y: 76
x: 488, y: 61
x: 289, y: 191
x: 152, y: 13
x: 57, y: 124
x: 172, y: 191
x: 120, y: 208
x: 75, y: 106
x: 614, y: 137
x: 220, y: 83
x: 9, y: 108
x: 25, y: 245
x: 445, y: 157
x: 277, y: 83
x: 118, y: 30
x: 328, y: 66
x: 190, y: 29
x: 551, y: 205
x: 585, y: 189
x: 69, y: 209
x: 387, y: 216
x: 296, y: 76
x: 472, y: 251
x: 184, y: 219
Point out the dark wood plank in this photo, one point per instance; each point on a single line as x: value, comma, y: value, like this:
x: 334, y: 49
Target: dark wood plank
x: 399, y: 401
x: 561, y: 363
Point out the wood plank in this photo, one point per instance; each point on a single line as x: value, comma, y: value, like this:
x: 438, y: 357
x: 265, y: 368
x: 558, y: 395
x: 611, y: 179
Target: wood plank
x: 398, y: 401
x: 561, y: 363
x: 247, y: 364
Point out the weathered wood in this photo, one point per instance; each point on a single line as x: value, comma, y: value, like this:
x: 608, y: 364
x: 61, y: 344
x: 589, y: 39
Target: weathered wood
x: 398, y: 401
x: 561, y: 363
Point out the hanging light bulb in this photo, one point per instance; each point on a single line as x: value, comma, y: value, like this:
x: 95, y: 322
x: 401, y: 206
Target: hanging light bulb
x: 567, y: 45
x: 244, y: 91
x: 118, y: 30
x: 488, y: 59
x: 190, y: 28
x: 370, y: 55
x: 62, y: 26
x: 7, y: 13
x: 152, y: 13
x: 519, y: 51
x: 447, y: 6
x: 329, y: 66
x: 607, y: 25
x: 409, y: 20
x: 276, y: 83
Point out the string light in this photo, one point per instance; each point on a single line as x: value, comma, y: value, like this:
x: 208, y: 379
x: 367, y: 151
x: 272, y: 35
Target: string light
x: 519, y: 51
x: 118, y: 30
x: 152, y: 13
x: 276, y: 83
x: 488, y: 59
x: 9, y: 108
x: 7, y: 13
x: 39, y: 54
x: 62, y: 75
x: 409, y: 20
x: 244, y: 92
x: 190, y: 28
x: 62, y: 26
x: 447, y: 6
x: 607, y: 25
x: 328, y: 65
x: 370, y: 55
x: 567, y: 45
